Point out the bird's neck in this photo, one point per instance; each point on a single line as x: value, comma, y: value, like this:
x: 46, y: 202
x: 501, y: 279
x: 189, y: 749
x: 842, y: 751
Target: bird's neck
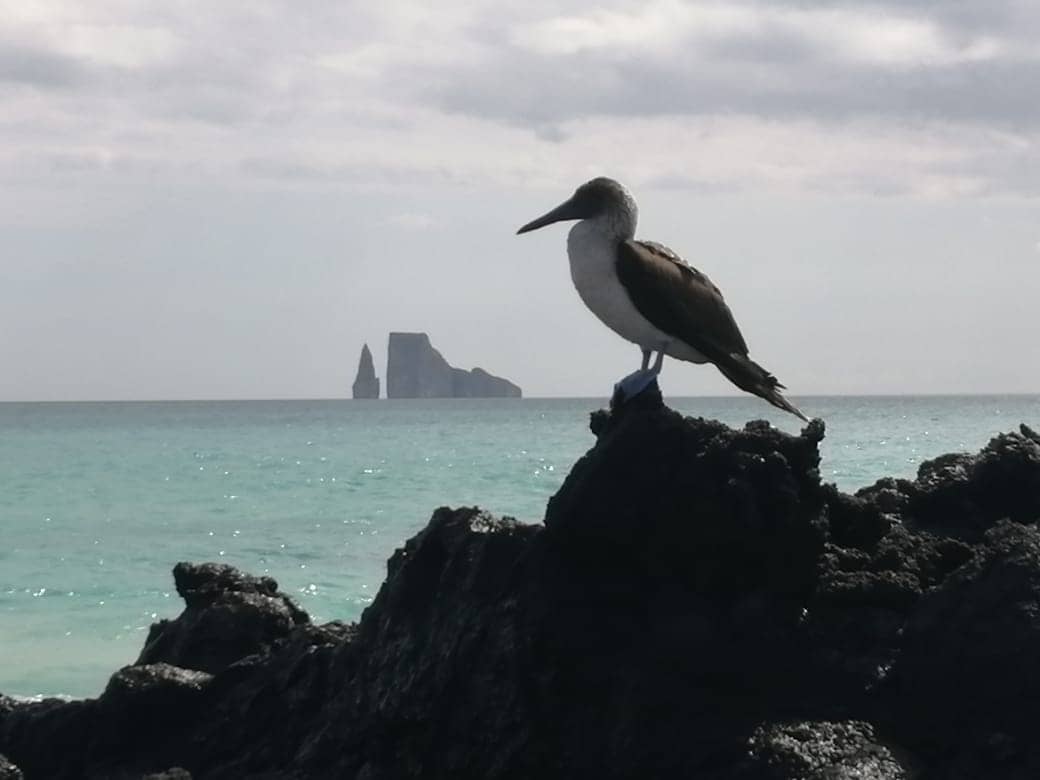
x: 592, y: 246
x: 612, y: 227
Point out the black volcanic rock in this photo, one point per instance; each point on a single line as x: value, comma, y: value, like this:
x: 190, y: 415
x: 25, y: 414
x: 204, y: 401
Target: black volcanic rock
x: 697, y: 604
x: 228, y: 615
x: 414, y: 369
x: 9, y: 771
x: 969, y: 666
x: 823, y: 751
x: 366, y: 383
x: 963, y: 495
x: 719, y: 511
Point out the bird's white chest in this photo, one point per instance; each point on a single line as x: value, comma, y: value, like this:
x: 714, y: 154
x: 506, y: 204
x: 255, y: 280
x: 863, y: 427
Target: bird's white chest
x: 593, y: 256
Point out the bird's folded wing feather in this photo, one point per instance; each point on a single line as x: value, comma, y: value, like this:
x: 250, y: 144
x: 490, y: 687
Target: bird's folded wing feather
x: 679, y: 299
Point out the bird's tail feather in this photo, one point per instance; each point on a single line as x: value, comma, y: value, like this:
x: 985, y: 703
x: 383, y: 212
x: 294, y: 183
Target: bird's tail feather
x: 746, y: 374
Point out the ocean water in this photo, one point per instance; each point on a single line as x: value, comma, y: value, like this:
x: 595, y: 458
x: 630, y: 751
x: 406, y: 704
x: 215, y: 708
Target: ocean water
x: 98, y: 501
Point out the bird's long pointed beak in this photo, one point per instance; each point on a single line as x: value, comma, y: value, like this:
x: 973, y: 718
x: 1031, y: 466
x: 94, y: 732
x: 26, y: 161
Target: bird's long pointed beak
x: 564, y: 211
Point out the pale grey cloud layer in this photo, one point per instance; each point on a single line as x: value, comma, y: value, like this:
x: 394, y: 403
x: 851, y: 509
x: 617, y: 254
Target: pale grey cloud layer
x: 227, y: 199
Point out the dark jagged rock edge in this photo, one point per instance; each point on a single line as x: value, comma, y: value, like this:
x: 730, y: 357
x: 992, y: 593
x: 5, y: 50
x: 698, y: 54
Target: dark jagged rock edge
x: 697, y: 604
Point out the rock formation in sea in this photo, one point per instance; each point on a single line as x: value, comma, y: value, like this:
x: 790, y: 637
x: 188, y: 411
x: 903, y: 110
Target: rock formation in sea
x: 697, y: 603
x: 414, y: 369
x: 366, y: 383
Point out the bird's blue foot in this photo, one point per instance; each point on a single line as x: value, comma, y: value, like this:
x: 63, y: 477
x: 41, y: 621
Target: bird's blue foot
x: 635, y: 383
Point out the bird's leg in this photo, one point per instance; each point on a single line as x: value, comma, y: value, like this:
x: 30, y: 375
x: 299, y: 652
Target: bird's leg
x: 636, y: 382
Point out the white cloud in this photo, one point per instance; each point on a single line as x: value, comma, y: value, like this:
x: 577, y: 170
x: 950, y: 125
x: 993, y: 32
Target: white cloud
x: 657, y: 24
x: 765, y: 97
x: 127, y: 46
x: 871, y: 36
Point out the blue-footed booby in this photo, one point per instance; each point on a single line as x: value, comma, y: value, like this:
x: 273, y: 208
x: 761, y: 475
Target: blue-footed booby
x: 650, y: 296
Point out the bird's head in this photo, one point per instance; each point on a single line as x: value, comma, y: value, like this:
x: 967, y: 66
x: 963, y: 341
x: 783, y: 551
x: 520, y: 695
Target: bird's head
x: 600, y: 197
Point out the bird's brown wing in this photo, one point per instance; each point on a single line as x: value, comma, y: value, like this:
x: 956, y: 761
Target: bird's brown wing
x: 682, y: 302
x: 679, y: 299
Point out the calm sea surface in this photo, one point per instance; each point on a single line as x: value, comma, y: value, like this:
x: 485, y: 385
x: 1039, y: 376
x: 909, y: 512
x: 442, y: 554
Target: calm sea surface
x: 98, y: 501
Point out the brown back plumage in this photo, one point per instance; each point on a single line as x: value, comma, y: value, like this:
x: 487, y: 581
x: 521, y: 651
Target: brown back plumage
x: 683, y: 302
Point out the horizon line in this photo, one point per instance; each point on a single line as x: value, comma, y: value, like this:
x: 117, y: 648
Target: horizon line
x: 972, y: 394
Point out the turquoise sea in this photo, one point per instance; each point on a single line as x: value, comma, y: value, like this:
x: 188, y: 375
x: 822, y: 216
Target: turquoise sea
x: 99, y: 500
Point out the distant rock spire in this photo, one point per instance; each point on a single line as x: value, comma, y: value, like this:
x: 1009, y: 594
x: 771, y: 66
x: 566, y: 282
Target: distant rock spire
x: 366, y: 384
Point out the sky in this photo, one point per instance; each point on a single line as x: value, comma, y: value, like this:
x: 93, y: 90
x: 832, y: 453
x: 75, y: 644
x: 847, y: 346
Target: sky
x: 226, y: 200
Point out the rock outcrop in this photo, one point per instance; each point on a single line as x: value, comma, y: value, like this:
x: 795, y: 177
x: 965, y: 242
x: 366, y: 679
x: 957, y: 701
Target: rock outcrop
x: 478, y: 383
x: 228, y: 615
x: 9, y: 771
x: 414, y: 369
x: 366, y: 383
x: 697, y: 604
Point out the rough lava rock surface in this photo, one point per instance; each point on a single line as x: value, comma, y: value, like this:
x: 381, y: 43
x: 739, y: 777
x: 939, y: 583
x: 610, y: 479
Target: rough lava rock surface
x: 228, y: 615
x: 9, y: 771
x: 697, y: 604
